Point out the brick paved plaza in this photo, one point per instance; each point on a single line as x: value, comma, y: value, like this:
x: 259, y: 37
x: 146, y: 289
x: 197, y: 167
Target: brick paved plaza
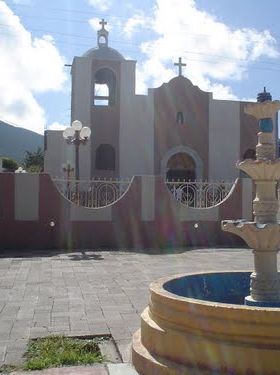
x: 89, y: 293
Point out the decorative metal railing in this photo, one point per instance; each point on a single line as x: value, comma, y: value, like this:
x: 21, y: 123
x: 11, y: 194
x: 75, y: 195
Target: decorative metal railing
x: 94, y: 193
x: 101, y: 192
x: 199, y: 194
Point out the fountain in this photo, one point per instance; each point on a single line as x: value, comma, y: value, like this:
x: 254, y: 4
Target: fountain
x: 223, y: 322
x: 263, y: 234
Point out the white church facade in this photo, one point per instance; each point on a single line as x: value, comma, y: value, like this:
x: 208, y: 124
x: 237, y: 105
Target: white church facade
x: 176, y: 130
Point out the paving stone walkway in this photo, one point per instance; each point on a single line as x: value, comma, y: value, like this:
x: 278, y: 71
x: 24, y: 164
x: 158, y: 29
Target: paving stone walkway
x: 109, y: 369
x: 90, y: 292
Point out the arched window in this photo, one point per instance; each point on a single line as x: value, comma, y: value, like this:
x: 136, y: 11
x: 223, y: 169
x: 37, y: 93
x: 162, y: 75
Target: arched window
x: 105, y: 157
x: 180, y: 118
x: 104, y: 87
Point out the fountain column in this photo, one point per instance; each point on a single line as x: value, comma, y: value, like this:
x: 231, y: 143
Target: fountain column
x: 263, y: 234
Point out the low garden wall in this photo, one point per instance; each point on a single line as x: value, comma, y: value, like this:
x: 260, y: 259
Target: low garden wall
x: 35, y: 215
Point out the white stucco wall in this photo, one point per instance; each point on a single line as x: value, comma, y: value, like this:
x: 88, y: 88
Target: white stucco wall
x: 78, y: 213
x: 26, y: 196
x: 193, y: 214
x: 81, y: 90
x: 224, y: 139
x: 81, y: 106
x: 136, y: 137
x: 58, y: 152
x: 128, y: 78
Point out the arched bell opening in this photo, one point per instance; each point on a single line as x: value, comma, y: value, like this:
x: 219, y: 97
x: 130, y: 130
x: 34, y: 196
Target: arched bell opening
x: 104, y: 87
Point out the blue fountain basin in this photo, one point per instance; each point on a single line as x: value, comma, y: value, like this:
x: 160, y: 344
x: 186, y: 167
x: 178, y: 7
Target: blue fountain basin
x: 223, y: 287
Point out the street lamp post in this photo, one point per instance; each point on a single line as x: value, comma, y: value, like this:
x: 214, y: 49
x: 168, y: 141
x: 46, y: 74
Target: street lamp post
x: 76, y: 135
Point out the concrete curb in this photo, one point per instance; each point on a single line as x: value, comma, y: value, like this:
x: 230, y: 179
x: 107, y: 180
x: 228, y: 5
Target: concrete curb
x: 111, y: 369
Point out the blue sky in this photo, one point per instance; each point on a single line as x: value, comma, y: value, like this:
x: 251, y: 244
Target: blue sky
x: 231, y: 48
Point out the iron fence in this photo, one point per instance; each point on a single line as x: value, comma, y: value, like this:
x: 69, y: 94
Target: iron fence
x: 101, y: 192
x: 94, y: 193
x: 199, y: 194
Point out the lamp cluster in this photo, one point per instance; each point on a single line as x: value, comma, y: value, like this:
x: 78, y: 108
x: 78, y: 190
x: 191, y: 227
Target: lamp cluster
x: 76, y: 133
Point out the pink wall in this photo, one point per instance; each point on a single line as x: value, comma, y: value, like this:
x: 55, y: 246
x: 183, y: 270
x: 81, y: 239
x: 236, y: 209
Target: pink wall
x: 126, y: 229
x: 194, y: 104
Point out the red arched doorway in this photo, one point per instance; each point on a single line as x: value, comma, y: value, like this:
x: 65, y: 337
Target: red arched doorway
x: 181, y: 167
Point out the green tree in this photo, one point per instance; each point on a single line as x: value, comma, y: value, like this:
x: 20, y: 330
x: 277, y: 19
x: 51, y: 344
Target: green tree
x: 9, y: 164
x: 34, y: 161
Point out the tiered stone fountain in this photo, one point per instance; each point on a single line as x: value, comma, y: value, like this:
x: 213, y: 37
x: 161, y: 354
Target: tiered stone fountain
x: 263, y: 234
x: 227, y: 322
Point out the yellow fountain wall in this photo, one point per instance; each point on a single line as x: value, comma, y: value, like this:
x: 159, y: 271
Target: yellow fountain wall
x: 186, y: 336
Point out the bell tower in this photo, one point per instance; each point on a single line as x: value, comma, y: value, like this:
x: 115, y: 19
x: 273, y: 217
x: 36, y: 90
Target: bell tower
x: 103, y: 82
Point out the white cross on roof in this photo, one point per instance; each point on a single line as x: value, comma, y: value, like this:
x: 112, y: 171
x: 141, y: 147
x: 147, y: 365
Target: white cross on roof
x: 103, y: 23
x: 180, y: 65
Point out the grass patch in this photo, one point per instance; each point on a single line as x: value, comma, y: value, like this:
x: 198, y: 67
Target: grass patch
x: 58, y: 351
x: 6, y: 369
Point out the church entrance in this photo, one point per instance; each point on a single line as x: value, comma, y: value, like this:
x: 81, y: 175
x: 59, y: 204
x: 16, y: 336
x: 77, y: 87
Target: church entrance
x: 181, y: 167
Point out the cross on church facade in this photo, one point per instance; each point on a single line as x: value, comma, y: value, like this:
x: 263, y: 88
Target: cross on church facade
x: 180, y: 65
x: 103, y: 23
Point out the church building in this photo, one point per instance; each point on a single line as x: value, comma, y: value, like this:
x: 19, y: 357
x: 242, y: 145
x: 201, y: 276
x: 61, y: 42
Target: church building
x: 176, y: 130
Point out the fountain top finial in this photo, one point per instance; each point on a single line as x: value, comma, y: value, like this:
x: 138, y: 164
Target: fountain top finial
x: 264, y: 96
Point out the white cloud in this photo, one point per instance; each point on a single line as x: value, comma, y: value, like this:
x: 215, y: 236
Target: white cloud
x: 56, y: 126
x: 94, y: 23
x: 133, y: 24
x: 32, y: 65
x: 22, y: 2
x: 101, y: 4
x: 213, y: 51
x: 219, y: 90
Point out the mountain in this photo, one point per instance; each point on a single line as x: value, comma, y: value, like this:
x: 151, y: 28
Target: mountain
x: 15, y: 141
